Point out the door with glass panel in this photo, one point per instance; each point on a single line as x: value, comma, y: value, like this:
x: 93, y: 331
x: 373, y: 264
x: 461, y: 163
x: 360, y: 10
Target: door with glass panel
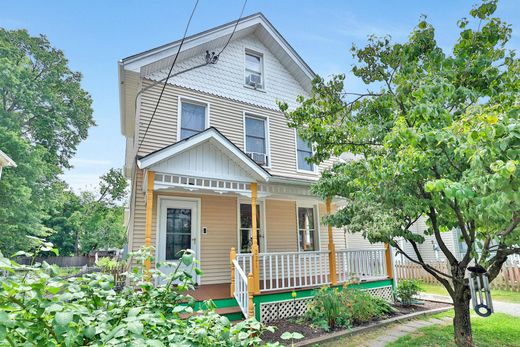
x: 178, y: 230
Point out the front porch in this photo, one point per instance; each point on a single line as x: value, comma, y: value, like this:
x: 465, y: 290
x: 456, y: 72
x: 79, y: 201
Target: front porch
x: 256, y: 236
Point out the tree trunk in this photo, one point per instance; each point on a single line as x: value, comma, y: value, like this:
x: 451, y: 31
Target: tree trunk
x: 462, y: 321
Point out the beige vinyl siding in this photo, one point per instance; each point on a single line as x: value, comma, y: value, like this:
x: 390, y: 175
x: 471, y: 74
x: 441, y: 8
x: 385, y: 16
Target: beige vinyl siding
x: 225, y: 115
x: 281, y: 226
x: 219, y: 215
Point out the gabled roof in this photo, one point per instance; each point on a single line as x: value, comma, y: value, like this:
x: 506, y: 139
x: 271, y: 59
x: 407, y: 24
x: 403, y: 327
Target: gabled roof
x: 159, y: 58
x: 215, y: 137
x: 5, y: 161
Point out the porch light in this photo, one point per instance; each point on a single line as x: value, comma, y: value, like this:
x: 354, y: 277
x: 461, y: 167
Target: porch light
x: 480, y: 292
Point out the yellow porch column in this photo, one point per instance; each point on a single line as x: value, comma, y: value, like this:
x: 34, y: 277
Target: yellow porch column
x: 254, y: 246
x: 250, y: 295
x: 332, y: 248
x: 232, y: 256
x: 149, y: 208
x: 388, y: 258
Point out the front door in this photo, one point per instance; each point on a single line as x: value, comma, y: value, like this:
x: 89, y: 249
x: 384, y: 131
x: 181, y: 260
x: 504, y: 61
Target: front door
x: 178, y: 230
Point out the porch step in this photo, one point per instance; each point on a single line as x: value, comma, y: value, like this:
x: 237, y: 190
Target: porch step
x: 231, y: 313
x: 227, y: 307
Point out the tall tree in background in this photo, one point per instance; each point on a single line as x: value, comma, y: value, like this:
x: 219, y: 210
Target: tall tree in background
x: 91, y: 220
x: 438, y: 135
x: 44, y: 115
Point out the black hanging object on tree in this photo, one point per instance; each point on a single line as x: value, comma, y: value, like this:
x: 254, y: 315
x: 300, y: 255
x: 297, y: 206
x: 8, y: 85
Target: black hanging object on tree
x: 480, y: 291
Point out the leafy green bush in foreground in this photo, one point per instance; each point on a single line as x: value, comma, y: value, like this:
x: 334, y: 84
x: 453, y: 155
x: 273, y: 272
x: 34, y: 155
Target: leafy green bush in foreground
x: 339, y: 308
x: 40, y: 307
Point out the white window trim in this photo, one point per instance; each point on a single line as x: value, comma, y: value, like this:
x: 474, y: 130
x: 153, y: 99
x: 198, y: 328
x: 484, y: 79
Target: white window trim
x: 267, y: 132
x: 314, y: 166
x: 317, y: 223
x: 196, y: 101
x: 262, y: 69
x: 263, y: 240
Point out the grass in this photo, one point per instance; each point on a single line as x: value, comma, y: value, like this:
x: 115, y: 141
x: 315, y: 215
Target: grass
x: 357, y: 339
x: 497, y: 330
x: 496, y: 294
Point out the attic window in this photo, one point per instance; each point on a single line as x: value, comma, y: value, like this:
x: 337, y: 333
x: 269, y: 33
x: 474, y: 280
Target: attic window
x: 254, y: 76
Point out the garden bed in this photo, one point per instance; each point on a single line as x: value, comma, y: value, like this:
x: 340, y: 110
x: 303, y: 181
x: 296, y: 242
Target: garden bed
x: 305, y: 328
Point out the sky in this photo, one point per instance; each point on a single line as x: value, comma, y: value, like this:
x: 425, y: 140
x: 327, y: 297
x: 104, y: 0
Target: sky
x: 95, y: 34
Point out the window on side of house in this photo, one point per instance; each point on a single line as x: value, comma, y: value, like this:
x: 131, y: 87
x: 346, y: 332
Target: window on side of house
x: 307, y: 229
x: 256, y: 139
x: 193, y: 119
x: 246, y: 228
x: 303, y: 151
x: 254, y: 75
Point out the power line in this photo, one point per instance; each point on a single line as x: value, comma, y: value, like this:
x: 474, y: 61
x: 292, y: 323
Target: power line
x: 209, y: 60
x: 169, y: 74
x: 234, y: 29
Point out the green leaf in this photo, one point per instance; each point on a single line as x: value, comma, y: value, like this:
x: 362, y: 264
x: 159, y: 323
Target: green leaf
x: 135, y: 327
x: 134, y: 311
x: 154, y: 343
x: 187, y: 259
x: 63, y: 318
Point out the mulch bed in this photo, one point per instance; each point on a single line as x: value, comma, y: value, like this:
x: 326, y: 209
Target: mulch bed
x: 305, y: 328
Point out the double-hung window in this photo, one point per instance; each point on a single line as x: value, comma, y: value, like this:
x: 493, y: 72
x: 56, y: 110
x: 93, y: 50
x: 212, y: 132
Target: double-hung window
x: 307, y: 230
x: 246, y: 227
x: 304, y: 151
x: 254, y: 76
x: 193, y: 118
x: 256, y: 139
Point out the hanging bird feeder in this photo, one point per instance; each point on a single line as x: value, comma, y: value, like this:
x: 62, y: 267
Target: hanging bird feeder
x: 480, y: 292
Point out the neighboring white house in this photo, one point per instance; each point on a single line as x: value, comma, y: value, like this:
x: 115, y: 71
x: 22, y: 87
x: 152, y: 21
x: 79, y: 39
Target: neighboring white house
x: 429, y: 249
x: 5, y: 161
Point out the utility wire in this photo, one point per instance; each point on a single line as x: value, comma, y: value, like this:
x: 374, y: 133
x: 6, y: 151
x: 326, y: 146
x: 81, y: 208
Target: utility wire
x: 169, y: 74
x: 209, y: 60
x: 234, y: 29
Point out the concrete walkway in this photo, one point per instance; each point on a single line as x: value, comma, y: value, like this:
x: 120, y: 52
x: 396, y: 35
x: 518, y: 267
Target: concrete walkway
x: 502, y: 307
x: 404, y: 329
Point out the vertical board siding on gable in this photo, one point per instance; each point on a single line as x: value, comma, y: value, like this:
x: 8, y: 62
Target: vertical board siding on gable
x: 225, y: 115
x: 280, y: 216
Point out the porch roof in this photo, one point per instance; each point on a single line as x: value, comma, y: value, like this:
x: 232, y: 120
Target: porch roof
x: 208, y: 154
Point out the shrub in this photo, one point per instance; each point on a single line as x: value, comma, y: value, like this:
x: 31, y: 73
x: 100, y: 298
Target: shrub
x: 327, y: 310
x: 406, y: 291
x: 365, y: 307
x: 39, y: 307
x: 335, y: 308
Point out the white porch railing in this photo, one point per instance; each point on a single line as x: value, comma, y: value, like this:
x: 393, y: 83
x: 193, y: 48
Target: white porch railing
x: 362, y: 264
x: 286, y: 270
x: 240, y: 292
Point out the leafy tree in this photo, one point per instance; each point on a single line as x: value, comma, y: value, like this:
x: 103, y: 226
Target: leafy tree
x: 44, y: 114
x: 437, y: 134
x: 91, y: 220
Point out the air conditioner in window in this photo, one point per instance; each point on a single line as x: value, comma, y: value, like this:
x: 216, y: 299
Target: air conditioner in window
x: 259, y: 158
x: 254, y: 81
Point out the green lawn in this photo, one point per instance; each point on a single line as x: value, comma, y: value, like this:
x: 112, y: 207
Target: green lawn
x: 496, y: 294
x: 497, y: 330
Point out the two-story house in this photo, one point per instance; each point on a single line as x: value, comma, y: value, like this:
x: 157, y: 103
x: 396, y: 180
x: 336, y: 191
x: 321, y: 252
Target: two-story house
x: 215, y: 168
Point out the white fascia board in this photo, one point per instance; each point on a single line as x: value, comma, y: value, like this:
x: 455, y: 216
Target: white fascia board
x: 135, y: 63
x: 140, y: 60
x: 182, y: 146
x: 122, y: 101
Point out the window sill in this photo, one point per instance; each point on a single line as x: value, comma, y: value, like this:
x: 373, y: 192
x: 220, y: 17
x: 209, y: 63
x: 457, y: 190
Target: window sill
x: 313, y: 172
x: 253, y: 88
